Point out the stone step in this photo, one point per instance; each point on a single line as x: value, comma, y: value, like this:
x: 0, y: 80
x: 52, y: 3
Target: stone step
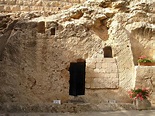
x: 65, y: 107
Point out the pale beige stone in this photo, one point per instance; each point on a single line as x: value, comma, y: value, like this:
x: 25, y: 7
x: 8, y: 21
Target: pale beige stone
x: 118, y: 4
x: 35, y: 66
x: 15, y: 8
x: 105, y: 81
x: 1, y: 8
x: 25, y: 8
x: 7, y: 8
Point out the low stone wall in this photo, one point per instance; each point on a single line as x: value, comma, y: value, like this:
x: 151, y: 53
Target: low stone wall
x: 145, y: 77
x: 36, y: 5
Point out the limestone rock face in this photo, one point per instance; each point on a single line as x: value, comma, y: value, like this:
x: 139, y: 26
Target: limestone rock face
x: 108, y: 35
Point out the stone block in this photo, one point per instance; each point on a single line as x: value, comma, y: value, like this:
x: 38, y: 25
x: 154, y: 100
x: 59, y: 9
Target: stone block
x: 114, y: 68
x: 118, y: 4
x: 97, y: 70
x: 92, y: 65
x: 88, y: 70
x: 98, y: 59
x: 7, y: 8
x: 88, y: 60
x: 89, y: 74
x: 100, y: 56
x: 11, y: 2
x: 153, y: 82
x: 109, y: 60
x: 1, y: 8
x: 109, y: 67
x: 39, y: 8
x: 98, y: 74
x: 98, y: 65
x: 106, y: 81
x: 24, y: 8
x: 15, y: 8
x: 105, y: 65
x: 88, y: 82
x: 47, y: 8
x: 87, y: 85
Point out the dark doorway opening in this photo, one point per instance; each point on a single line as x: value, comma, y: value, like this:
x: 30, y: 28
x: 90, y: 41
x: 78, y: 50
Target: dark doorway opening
x: 1, y: 58
x: 77, y: 78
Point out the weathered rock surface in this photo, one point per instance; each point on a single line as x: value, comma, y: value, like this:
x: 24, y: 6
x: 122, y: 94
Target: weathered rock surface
x: 37, y: 56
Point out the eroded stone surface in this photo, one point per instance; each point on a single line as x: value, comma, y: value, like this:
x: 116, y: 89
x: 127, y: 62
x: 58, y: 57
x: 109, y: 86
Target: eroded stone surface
x: 34, y: 68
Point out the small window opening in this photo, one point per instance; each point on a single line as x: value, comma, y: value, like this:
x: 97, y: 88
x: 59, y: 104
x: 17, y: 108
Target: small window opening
x: 52, y: 31
x: 107, y: 52
x: 1, y: 58
x: 41, y: 27
x: 1, y: 55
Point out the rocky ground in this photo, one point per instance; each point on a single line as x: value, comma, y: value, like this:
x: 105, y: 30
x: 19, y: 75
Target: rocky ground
x: 116, y: 113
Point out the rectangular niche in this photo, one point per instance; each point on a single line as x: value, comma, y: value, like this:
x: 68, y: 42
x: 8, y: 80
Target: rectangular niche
x: 53, y: 31
x: 107, y: 52
x: 1, y: 58
x: 41, y: 27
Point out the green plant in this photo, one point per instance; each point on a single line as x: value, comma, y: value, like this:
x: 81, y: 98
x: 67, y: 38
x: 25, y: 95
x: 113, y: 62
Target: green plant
x: 139, y: 93
x: 144, y: 59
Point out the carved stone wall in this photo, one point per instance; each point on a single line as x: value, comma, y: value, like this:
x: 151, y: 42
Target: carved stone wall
x: 39, y: 50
